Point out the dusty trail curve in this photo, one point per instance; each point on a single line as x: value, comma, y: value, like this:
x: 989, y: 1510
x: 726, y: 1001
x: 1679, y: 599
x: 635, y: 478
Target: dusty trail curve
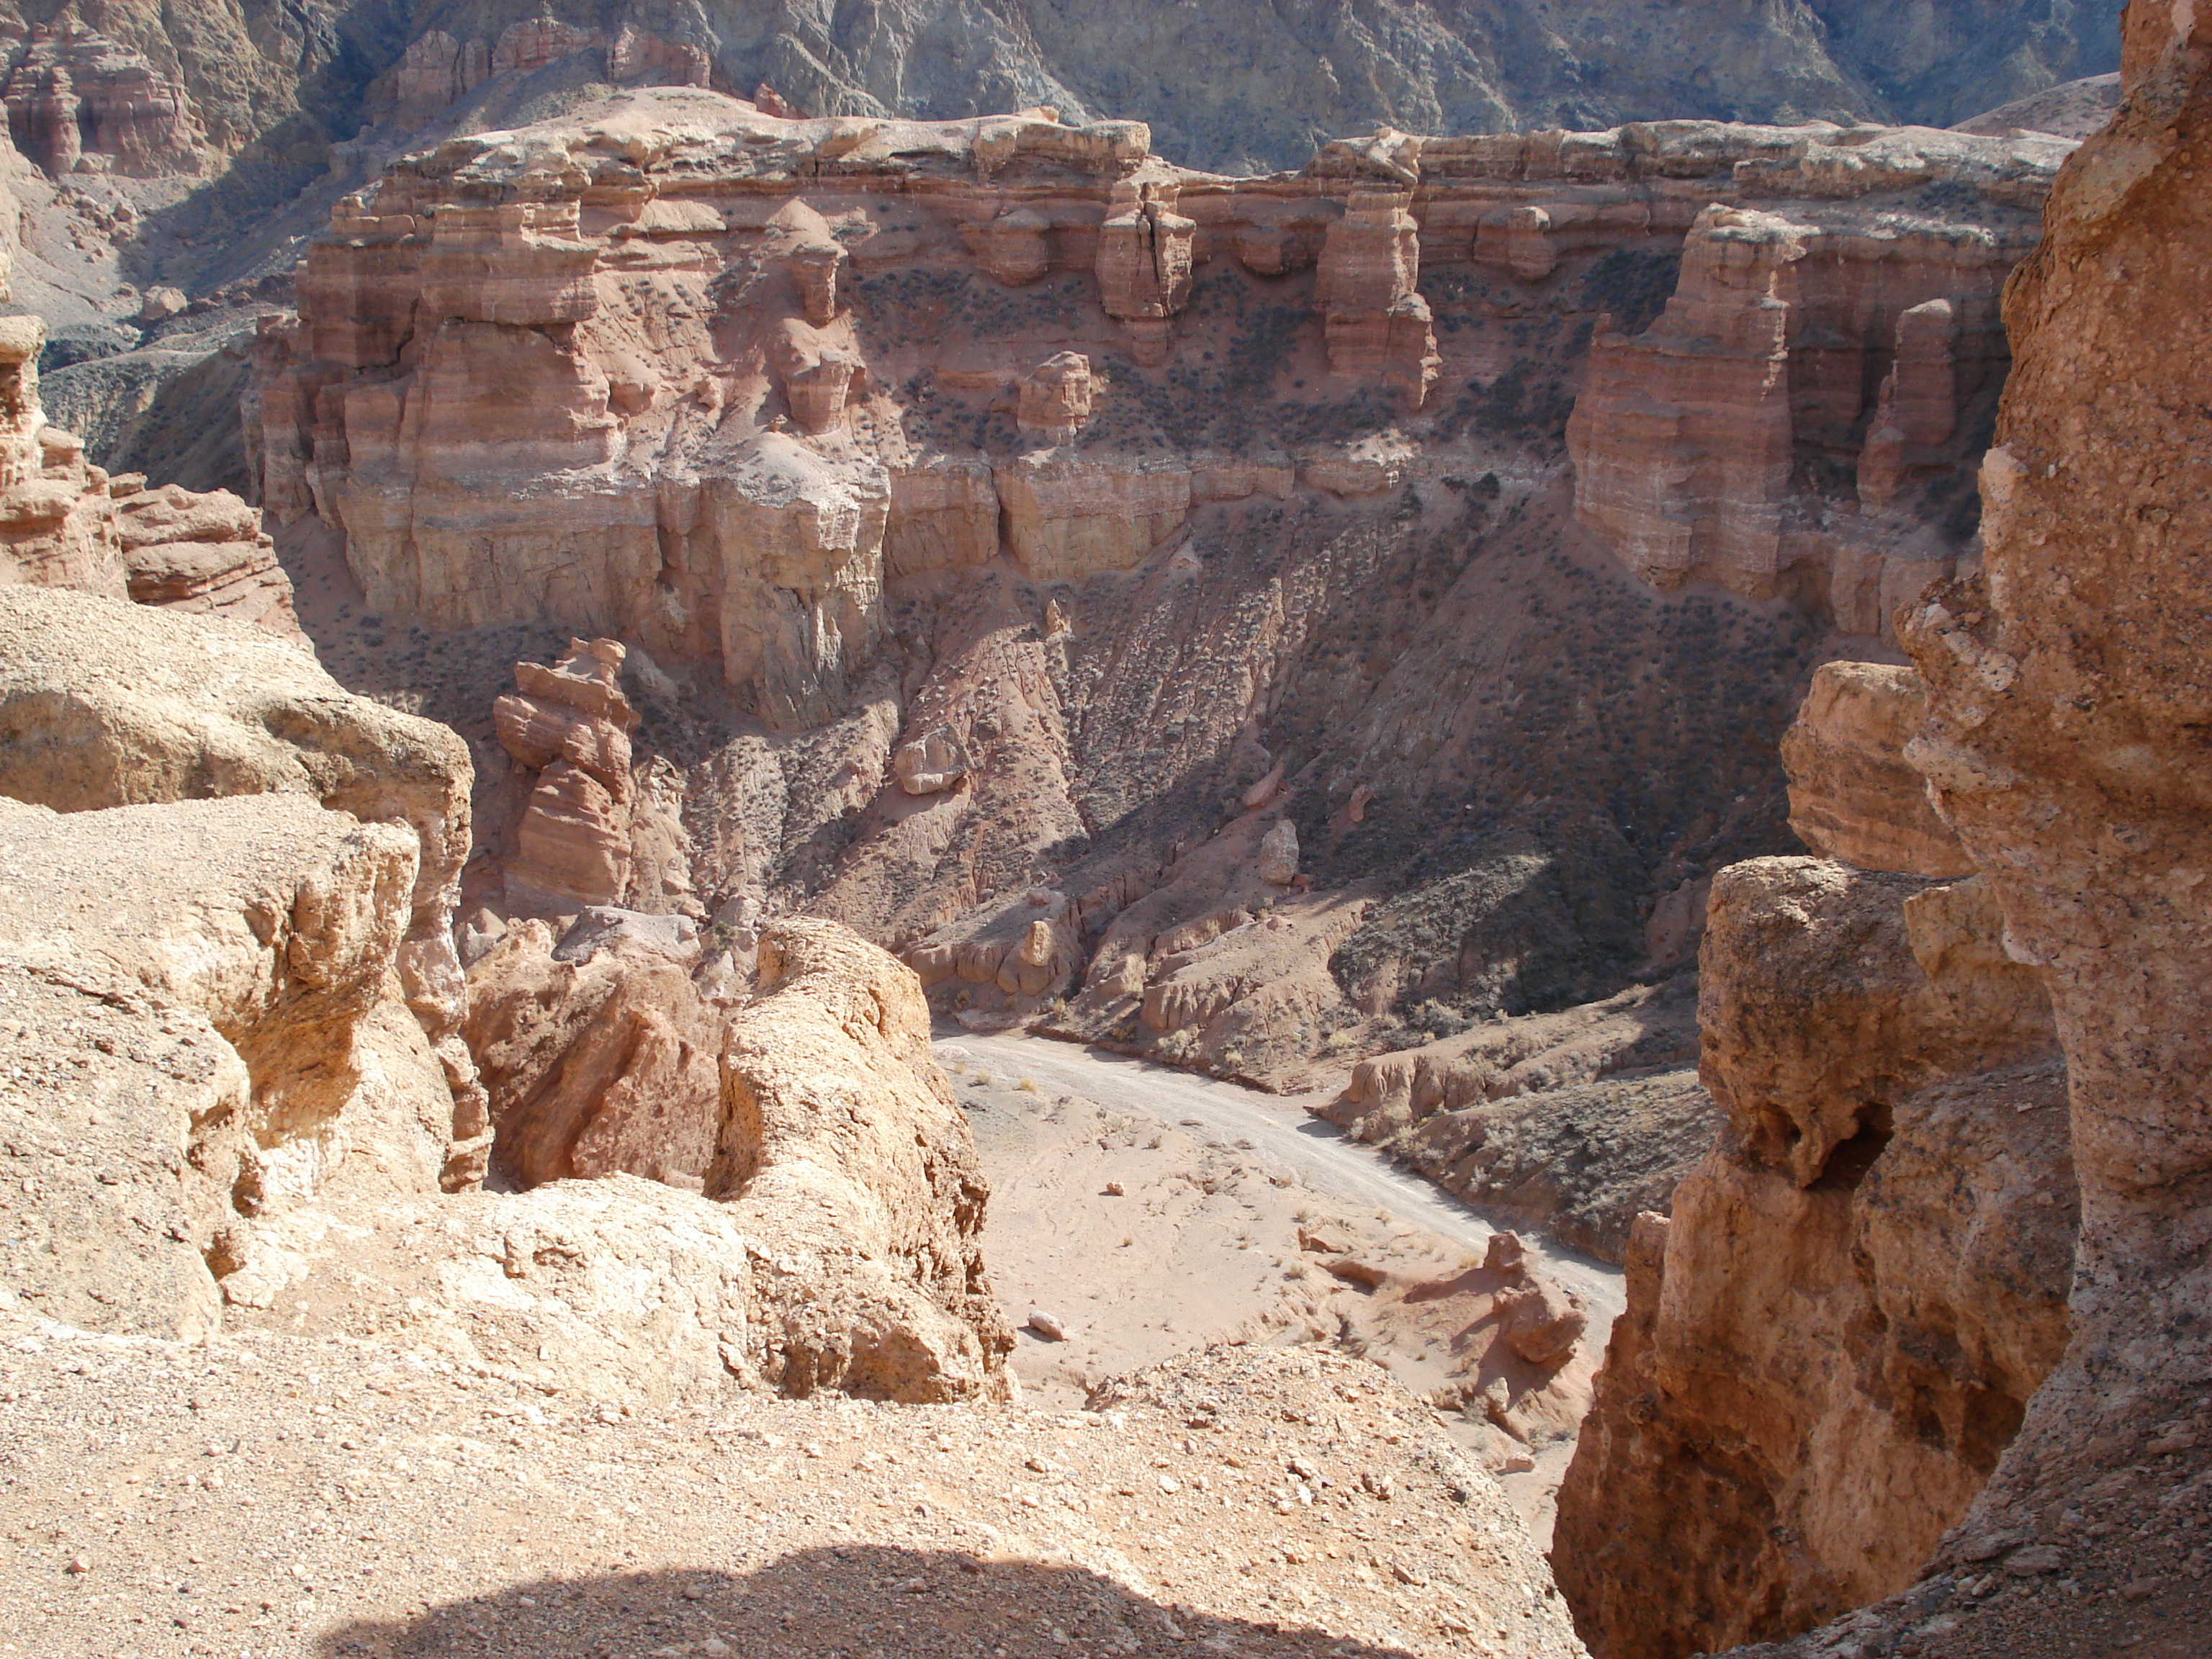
x: 1279, y: 1127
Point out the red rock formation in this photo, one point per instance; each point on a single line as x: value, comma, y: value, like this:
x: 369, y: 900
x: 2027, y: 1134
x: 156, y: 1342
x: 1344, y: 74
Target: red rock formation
x: 64, y: 523
x: 1145, y: 261
x: 1852, y: 795
x: 1378, y: 323
x: 205, y: 552
x: 595, y: 1065
x: 642, y: 328
x: 1894, y: 1185
x: 1056, y: 396
x: 78, y: 101
x: 2065, y: 707
x: 1690, y: 439
x: 571, y: 723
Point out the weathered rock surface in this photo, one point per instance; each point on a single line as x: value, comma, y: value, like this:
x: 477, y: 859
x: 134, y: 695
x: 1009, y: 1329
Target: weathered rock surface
x: 842, y: 1153
x: 64, y: 523
x: 597, y: 1064
x: 2072, y: 109
x: 203, y: 552
x: 2063, y: 699
x: 209, y: 991
x: 105, y: 703
x: 1851, y: 796
x: 1893, y: 1171
x: 775, y: 375
x: 1693, y: 438
x: 78, y: 101
x: 570, y: 724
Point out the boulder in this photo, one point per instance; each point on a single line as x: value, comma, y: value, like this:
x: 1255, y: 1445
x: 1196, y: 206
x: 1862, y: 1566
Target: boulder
x: 931, y: 764
x: 1852, y: 798
x: 844, y: 1155
x: 599, y: 1058
x: 1278, y: 855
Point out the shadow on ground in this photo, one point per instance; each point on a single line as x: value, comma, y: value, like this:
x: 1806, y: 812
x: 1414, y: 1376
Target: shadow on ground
x: 861, y: 1601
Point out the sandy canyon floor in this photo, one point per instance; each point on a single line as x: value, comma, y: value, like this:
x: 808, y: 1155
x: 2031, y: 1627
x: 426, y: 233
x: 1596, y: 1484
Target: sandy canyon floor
x: 1286, y: 1492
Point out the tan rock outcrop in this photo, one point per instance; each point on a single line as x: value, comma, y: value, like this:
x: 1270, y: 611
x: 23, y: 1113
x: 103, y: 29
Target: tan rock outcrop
x: 1068, y: 516
x: 1145, y: 261
x: 843, y: 1154
x: 1006, y: 959
x: 2064, y: 704
x: 210, y: 990
x: 931, y: 764
x: 1056, y: 397
x: 617, y: 1289
x: 64, y: 523
x: 1851, y: 796
x: 104, y: 703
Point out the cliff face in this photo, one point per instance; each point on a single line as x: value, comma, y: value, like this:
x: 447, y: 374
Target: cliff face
x: 1802, y: 417
x: 256, y: 95
x: 2064, y: 696
x: 1831, y: 1341
x: 995, y: 513
x: 2059, y: 695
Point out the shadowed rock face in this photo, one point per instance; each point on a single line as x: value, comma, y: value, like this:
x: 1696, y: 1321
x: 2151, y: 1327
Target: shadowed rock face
x: 1860, y: 1287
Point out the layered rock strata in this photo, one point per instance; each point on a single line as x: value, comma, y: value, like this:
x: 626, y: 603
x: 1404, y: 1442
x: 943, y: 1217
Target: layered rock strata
x: 701, y: 447
x: 1893, y: 1183
x: 79, y: 102
x: 569, y: 724
x: 1801, y: 418
x: 1377, y: 322
x: 849, y: 427
x: 65, y: 523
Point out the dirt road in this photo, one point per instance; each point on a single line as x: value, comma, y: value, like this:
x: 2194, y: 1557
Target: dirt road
x: 1279, y: 1129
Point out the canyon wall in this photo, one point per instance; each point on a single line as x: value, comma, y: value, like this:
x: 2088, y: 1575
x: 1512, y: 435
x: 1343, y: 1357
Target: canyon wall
x: 2060, y: 742
x: 2051, y: 734
x: 256, y: 99
x: 993, y: 513
x: 1830, y: 1343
